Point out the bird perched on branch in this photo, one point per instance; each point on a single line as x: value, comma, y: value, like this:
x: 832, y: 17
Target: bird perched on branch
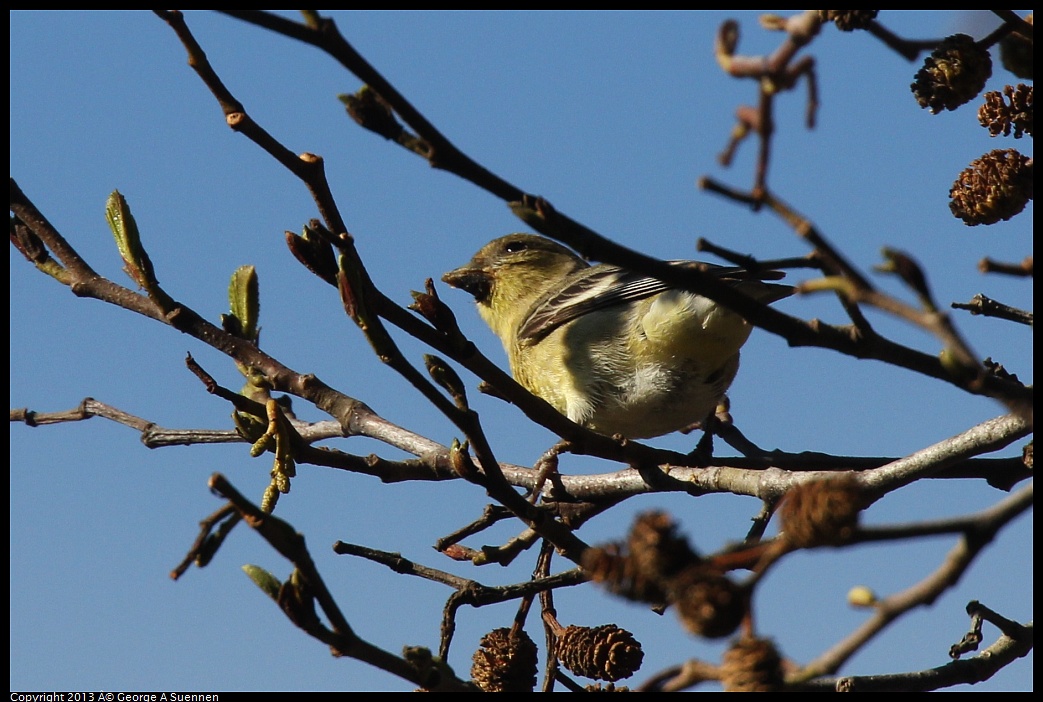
x: 614, y: 350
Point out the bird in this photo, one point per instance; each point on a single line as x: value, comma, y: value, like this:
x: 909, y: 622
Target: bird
x: 614, y: 350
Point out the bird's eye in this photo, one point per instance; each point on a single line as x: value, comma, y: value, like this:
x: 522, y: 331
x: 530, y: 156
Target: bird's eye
x: 515, y: 246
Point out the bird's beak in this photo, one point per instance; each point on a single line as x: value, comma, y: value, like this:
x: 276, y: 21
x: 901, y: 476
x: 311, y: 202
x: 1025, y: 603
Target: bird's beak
x: 476, y: 281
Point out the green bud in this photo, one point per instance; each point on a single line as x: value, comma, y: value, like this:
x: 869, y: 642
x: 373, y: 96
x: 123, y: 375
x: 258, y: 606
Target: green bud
x: 128, y: 241
x: 245, y: 301
x: 264, y: 580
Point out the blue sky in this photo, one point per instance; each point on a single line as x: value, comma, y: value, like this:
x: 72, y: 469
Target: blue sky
x: 612, y: 116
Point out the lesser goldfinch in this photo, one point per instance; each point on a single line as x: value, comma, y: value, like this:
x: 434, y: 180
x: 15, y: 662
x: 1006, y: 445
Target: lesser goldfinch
x: 611, y: 349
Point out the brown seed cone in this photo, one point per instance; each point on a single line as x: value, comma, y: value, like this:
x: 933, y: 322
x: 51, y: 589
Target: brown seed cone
x: 611, y: 687
x: 751, y: 665
x: 1016, y: 54
x: 1014, y: 114
x: 995, y: 187
x: 601, y: 653
x: 505, y: 663
x: 708, y: 603
x: 848, y: 20
x: 822, y: 512
x: 953, y: 74
x: 621, y: 575
x: 655, y: 547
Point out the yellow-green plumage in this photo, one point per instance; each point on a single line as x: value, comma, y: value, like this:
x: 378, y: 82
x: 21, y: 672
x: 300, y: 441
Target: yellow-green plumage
x: 596, y: 342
